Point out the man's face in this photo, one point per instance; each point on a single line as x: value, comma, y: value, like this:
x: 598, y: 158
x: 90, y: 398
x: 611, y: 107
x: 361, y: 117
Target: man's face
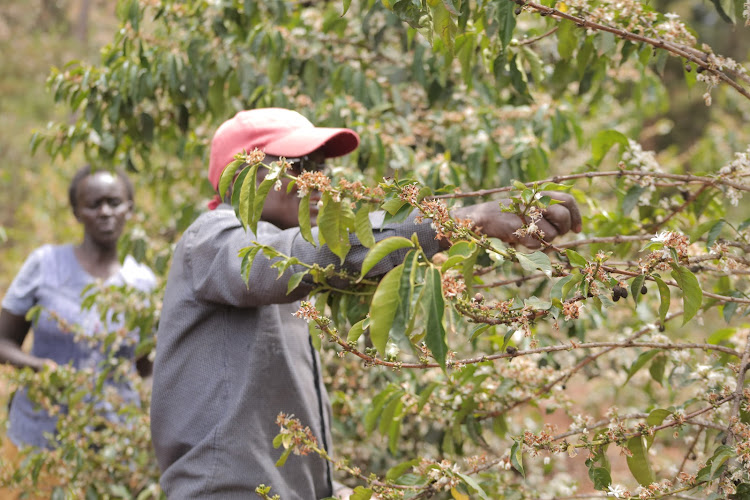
x: 281, y: 208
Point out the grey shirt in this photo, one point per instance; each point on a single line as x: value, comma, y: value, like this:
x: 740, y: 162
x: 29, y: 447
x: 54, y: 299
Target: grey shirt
x: 231, y: 357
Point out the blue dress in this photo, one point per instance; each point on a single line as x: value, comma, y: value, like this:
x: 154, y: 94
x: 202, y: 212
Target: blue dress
x: 52, y: 278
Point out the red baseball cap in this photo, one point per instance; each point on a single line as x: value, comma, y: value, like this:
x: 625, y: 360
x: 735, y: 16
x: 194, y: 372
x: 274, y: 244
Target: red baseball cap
x: 278, y: 132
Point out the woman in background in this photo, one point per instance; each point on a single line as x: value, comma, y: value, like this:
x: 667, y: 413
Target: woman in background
x: 53, y: 278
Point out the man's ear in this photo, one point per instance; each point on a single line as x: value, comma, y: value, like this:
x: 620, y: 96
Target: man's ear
x: 129, y: 213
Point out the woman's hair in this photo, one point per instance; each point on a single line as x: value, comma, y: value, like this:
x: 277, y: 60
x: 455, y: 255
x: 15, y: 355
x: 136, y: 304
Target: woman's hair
x: 84, y: 172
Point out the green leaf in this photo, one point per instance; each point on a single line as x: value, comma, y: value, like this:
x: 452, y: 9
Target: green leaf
x: 665, y: 297
x: 361, y: 493
x: 506, y: 20
x: 261, y: 192
x: 383, y: 307
x: 294, y: 281
x: 725, y: 9
x: 702, y: 228
x: 425, y: 395
x: 533, y: 261
x: 462, y: 248
x: 535, y: 64
x: 247, y: 263
x: 721, y: 455
x: 478, y: 331
x: 631, y: 199
x: 443, y: 26
x: 638, y: 462
x: 635, y: 287
x: 333, y: 226
x: 378, y: 404
x: 397, y: 471
x: 639, y: 363
x: 656, y: 417
x: 568, y: 286
x: 714, y: 233
x: 389, y: 412
x: 434, y: 308
x: 516, y: 458
x: 381, y: 249
x: 363, y: 227
x: 247, y: 195
x: 603, y: 142
x: 566, y: 39
x: 394, y: 431
x: 575, y: 258
x: 728, y: 310
x: 282, y: 459
x: 404, y: 319
x: 393, y: 206
x: 556, y: 292
x: 601, y: 478
x: 305, y: 225
x: 471, y: 482
x: 355, y: 332
x: 658, y: 365
x: 347, y: 3
x: 466, y: 44
x: 692, y: 295
x: 721, y: 335
x: 216, y: 100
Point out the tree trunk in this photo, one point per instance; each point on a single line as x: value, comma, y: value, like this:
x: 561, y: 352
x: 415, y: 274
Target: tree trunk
x: 82, y: 23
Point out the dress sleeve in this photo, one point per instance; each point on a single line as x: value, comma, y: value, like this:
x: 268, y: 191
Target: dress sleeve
x: 138, y: 275
x: 23, y: 291
x: 214, y: 269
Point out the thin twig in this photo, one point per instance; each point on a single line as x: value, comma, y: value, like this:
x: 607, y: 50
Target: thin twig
x: 655, y: 226
x: 565, y: 376
x: 686, y: 457
x: 699, y: 58
x: 739, y: 390
x: 537, y: 38
x: 590, y: 175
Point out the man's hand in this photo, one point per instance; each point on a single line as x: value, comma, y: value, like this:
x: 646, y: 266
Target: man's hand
x: 557, y: 219
x: 342, y: 492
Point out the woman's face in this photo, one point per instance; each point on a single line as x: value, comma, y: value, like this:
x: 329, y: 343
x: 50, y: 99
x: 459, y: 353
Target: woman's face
x: 103, y: 207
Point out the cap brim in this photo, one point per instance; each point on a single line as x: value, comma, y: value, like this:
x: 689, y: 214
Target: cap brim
x: 303, y: 141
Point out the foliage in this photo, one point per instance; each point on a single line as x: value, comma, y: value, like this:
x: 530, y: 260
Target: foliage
x: 103, y: 443
x: 501, y: 368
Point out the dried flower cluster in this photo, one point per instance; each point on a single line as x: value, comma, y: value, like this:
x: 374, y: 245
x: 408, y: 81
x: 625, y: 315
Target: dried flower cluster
x: 308, y: 182
x: 307, y: 311
x: 295, y: 435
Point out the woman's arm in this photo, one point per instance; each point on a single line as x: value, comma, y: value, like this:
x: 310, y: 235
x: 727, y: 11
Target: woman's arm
x: 13, y: 331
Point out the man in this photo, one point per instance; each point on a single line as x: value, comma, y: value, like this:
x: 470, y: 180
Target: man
x: 231, y: 357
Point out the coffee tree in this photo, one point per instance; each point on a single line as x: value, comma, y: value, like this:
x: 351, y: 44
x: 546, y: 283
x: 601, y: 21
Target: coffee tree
x: 489, y: 370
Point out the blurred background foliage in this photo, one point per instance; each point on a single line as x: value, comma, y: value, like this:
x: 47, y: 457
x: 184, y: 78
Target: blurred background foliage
x: 128, y: 90
x: 49, y: 33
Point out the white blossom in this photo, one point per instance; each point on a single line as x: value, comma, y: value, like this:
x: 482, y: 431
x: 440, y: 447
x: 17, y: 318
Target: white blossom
x: 616, y: 491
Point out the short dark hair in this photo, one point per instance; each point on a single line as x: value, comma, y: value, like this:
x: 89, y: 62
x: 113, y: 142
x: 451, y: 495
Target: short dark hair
x: 87, y: 170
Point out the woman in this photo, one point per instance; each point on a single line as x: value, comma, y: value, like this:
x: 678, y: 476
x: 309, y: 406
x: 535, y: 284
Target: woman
x: 53, y: 278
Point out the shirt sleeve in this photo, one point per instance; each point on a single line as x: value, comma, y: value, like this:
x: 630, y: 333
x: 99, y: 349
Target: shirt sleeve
x: 215, y: 270
x: 23, y: 291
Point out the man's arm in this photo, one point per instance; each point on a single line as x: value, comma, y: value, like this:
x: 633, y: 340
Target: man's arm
x: 211, y: 264
x: 217, y: 274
